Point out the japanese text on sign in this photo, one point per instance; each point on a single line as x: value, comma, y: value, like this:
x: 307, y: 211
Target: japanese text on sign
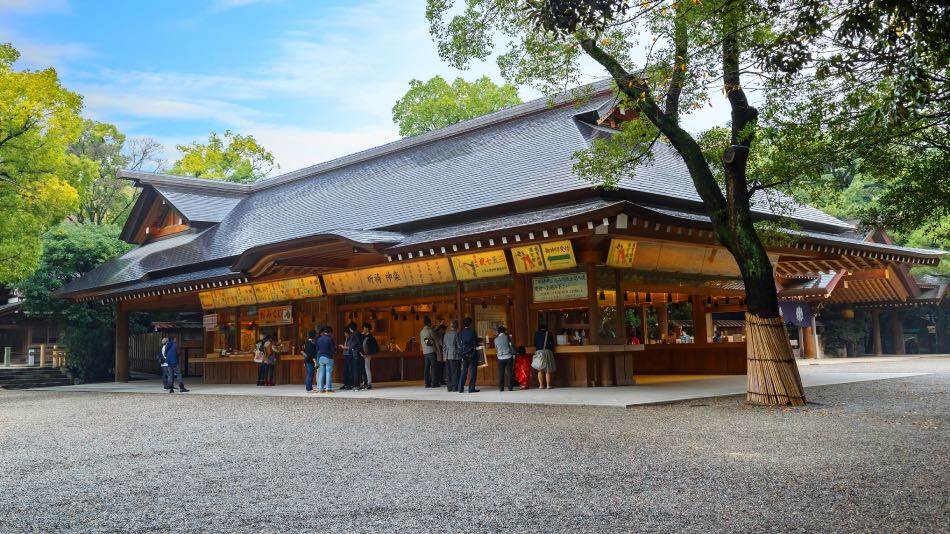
x: 480, y: 265
x: 570, y: 286
x: 558, y: 255
x: 528, y: 259
x: 275, y: 315
x: 621, y: 253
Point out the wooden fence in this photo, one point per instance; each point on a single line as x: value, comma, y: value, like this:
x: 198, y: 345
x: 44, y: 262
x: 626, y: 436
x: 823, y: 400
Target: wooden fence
x: 143, y: 352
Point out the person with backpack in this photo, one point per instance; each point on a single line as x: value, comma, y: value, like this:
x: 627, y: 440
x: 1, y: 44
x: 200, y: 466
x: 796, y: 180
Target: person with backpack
x: 543, y: 360
x: 450, y: 352
x: 310, y: 359
x: 370, y: 347
x: 467, y: 347
x: 505, y: 354
x: 429, y: 355
x: 171, y: 356
x: 324, y: 345
x: 270, y: 361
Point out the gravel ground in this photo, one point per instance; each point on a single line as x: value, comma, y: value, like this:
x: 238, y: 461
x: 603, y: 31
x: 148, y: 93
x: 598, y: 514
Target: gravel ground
x: 870, y: 456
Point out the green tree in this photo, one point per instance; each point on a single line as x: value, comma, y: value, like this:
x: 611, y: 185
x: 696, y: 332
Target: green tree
x: 102, y: 150
x: 435, y: 104
x: 88, y: 329
x: 231, y: 157
x: 665, y: 58
x: 39, y: 119
x: 694, y: 46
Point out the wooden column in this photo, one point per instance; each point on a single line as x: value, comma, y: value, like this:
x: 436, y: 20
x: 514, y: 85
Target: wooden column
x: 897, y: 332
x: 876, y: 332
x: 121, y: 343
x: 700, y: 332
x: 662, y: 315
x: 519, y: 296
x: 809, y: 344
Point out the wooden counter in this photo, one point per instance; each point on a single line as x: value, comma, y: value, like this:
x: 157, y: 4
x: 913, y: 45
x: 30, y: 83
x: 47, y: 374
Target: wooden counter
x: 577, y: 365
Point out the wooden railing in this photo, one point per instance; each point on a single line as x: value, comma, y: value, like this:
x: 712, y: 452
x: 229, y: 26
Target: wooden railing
x: 36, y: 355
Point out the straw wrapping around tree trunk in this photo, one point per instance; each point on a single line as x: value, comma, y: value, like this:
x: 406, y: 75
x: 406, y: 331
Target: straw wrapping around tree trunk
x: 772, y: 374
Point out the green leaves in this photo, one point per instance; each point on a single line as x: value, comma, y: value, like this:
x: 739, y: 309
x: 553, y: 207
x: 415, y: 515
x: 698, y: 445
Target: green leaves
x: 612, y: 159
x: 39, y: 119
x: 435, y: 104
x: 232, y: 157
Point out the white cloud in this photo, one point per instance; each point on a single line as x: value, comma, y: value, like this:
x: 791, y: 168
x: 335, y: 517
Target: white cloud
x: 302, y: 147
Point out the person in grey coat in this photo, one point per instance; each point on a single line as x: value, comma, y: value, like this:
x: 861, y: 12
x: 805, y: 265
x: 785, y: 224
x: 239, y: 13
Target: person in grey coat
x: 450, y: 351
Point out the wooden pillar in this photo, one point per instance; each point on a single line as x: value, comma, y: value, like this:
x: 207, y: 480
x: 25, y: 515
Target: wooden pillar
x: 809, y: 341
x: 459, y: 310
x: 897, y: 332
x: 520, y: 310
x: 121, y: 343
x: 700, y: 332
x: 620, y: 321
x: 662, y: 315
x: 876, y: 332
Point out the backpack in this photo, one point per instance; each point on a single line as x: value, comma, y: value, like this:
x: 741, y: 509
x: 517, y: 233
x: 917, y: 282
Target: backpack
x: 259, y: 353
x: 370, y: 345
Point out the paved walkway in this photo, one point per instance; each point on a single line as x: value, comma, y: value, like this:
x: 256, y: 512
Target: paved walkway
x: 650, y: 389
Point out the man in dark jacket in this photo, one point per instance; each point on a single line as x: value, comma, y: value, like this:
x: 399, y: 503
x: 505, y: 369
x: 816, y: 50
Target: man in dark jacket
x: 466, y: 344
x: 310, y: 359
x: 174, y: 370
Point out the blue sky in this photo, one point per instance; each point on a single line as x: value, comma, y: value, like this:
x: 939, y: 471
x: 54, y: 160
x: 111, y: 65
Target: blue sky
x: 311, y: 80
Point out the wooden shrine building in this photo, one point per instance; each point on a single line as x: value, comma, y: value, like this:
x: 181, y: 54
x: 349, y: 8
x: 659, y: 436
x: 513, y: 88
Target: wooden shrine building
x: 484, y: 219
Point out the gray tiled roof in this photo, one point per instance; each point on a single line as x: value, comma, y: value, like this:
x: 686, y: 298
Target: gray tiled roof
x: 519, y: 154
x: 510, y: 220
x: 199, y: 206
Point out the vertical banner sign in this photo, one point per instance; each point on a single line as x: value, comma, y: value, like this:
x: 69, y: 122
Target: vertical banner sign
x: 207, y: 300
x: 558, y: 255
x: 621, y: 253
x: 528, y: 259
x: 557, y: 287
x: 486, y: 264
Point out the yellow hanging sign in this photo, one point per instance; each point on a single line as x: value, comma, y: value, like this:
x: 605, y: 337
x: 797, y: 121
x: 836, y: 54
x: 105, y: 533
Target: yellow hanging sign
x: 427, y: 272
x: 246, y: 295
x: 621, y: 253
x: 558, y: 255
x: 528, y: 259
x: 307, y: 287
x: 475, y: 265
x: 343, y: 282
x: 207, y: 300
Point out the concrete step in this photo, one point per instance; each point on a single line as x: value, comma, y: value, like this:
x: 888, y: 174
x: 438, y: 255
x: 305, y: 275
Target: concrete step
x: 25, y: 377
x: 34, y: 385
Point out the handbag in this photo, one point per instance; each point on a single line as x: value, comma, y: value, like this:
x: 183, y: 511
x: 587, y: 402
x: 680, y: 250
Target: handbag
x: 538, y: 361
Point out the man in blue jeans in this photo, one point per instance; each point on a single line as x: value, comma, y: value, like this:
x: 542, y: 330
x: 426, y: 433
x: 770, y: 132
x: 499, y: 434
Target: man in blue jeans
x: 174, y: 371
x: 466, y: 343
x: 325, y: 360
x: 310, y: 358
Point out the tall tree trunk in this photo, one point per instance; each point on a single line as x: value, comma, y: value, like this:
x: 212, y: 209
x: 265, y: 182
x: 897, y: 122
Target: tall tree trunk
x: 772, y: 374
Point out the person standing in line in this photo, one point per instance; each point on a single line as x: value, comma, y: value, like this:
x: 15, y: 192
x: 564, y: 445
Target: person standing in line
x: 505, y: 353
x: 163, y: 364
x: 325, y: 360
x: 370, y: 347
x: 439, y: 355
x: 310, y: 359
x: 450, y: 352
x: 544, y: 351
x: 270, y: 361
x: 467, y: 345
x: 351, y: 357
x: 260, y: 359
x: 429, y: 356
x: 171, y: 356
